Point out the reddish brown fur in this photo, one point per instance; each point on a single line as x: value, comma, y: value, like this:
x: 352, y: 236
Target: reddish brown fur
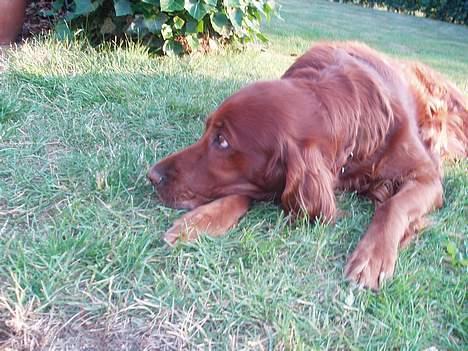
x: 343, y: 116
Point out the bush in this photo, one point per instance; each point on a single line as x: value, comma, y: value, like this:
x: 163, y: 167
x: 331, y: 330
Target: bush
x: 455, y: 11
x: 169, y: 26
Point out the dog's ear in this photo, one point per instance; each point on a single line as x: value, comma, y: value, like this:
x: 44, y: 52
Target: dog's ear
x: 309, y: 184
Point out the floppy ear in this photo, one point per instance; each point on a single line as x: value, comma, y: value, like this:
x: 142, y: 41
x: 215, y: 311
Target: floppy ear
x: 309, y: 184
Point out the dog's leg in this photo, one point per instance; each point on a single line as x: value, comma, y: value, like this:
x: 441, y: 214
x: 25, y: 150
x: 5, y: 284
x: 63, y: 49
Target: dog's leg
x: 214, y: 218
x: 375, y: 256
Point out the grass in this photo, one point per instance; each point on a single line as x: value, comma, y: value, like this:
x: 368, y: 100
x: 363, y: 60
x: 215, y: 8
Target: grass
x: 82, y: 264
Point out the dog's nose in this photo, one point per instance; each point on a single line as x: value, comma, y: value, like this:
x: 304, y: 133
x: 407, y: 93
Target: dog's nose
x: 156, y: 176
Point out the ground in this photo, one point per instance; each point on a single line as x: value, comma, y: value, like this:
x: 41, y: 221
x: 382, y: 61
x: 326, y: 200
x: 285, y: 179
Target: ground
x: 82, y: 264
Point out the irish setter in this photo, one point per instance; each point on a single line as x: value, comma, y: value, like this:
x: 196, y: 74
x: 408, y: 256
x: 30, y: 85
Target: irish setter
x: 342, y: 117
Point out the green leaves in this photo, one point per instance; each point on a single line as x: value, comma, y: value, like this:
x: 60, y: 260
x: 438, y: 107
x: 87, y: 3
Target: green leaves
x: 122, y: 8
x: 155, y: 23
x: 196, y: 8
x: 62, y: 31
x: 171, y: 5
x: 193, y: 42
x: 170, y: 26
x: 82, y: 7
x: 178, y: 22
x: 235, y: 16
x: 232, y: 3
x: 166, y: 31
x: 221, y: 24
x: 173, y: 48
x: 193, y: 26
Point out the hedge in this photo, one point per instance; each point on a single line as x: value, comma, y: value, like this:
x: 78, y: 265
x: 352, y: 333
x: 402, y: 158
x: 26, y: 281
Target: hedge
x: 454, y: 11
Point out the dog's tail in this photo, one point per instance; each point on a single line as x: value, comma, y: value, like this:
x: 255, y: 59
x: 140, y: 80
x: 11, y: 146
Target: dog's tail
x: 443, y: 112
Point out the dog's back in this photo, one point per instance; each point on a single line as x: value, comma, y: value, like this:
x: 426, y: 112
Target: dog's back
x: 441, y: 109
x: 442, y: 112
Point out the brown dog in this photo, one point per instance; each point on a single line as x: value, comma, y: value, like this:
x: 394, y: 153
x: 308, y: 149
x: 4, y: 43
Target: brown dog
x: 343, y: 116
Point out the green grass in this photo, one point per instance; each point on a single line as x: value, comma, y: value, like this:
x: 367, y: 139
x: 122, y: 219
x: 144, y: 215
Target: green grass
x: 82, y: 264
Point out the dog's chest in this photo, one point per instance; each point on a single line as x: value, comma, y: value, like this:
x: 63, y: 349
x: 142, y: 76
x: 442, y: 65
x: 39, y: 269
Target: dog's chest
x: 363, y: 176
x: 355, y: 174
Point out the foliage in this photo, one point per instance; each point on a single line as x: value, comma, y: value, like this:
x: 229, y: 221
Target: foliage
x: 173, y: 26
x: 455, y: 11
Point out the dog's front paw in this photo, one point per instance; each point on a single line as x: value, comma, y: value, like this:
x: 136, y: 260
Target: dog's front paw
x: 214, y: 219
x: 372, y: 262
x: 188, y: 227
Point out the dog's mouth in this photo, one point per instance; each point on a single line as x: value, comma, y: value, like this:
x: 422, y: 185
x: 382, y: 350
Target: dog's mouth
x: 181, y: 200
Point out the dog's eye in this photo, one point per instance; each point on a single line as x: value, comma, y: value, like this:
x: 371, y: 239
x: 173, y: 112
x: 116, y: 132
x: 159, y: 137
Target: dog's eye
x: 221, y: 142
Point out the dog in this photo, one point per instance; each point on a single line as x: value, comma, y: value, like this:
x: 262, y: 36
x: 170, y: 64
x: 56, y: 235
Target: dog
x: 343, y: 117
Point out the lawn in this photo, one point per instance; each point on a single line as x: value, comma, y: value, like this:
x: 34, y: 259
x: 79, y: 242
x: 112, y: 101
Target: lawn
x: 82, y: 264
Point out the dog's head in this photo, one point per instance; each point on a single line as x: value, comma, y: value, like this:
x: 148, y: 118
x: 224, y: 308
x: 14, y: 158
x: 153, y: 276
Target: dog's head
x: 262, y: 142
